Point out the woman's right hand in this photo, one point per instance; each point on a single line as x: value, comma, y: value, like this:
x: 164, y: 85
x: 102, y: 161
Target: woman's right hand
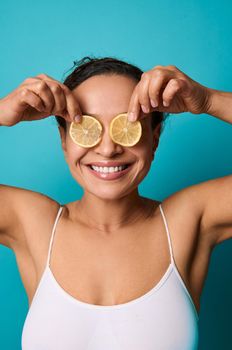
x: 38, y: 98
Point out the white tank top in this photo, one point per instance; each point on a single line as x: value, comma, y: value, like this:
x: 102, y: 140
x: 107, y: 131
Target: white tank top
x: 164, y: 318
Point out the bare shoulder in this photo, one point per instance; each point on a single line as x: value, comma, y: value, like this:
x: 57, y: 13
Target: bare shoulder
x: 191, y: 247
x: 194, y: 199
x: 184, y: 212
x: 188, y: 210
x: 185, y: 204
x: 208, y: 203
x: 22, y: 210
x: 26, y: 224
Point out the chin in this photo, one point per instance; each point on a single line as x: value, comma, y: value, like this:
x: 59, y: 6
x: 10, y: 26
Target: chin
x: 110, y: 194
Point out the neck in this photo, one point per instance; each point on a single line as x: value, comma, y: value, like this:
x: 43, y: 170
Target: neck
x: 109, y: 215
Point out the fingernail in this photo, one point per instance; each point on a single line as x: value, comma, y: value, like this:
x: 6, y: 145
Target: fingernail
x: 131, y: 117
x: 145, y: 109
x: 77, y: 118
x: 154, y: 103
x: 165, y: 103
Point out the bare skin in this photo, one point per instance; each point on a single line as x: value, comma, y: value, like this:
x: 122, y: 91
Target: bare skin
x: 107, y: 269
x: 111, y: 246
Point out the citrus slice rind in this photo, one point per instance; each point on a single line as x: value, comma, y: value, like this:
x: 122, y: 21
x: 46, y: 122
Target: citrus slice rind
x: 86, y: 133
x: 124, y: 132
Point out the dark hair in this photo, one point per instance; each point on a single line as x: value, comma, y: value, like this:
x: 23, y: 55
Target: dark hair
x: 88, y: 67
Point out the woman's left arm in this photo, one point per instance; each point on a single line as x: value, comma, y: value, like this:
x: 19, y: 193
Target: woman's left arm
x: 167, y: 89
x: 220, y: 105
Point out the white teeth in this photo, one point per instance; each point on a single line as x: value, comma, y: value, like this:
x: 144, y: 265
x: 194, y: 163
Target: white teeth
x: 108, y: 169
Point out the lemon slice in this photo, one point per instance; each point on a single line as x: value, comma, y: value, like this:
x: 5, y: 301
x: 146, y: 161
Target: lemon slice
x: 124, y: 132
x: 86, y: 133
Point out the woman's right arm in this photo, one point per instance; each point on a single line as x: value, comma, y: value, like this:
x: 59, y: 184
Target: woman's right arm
x: 36, y: 98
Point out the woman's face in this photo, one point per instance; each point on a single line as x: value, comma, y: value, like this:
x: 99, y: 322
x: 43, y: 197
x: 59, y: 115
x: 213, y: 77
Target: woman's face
x: 104, y: 97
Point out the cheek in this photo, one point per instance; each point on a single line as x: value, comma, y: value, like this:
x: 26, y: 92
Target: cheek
x: 74, y: 153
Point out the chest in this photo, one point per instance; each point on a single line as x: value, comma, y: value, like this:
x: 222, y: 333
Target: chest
x: 110, y: 270
x: 107, y: 271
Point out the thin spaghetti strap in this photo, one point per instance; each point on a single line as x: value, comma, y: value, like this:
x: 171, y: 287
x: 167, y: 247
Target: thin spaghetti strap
x: 168, y: 234
x: 52, y: 236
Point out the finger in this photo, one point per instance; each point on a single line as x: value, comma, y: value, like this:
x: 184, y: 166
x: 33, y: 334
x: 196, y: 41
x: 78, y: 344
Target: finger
x: 173, y: 87
x: 59, y: 98
x: 29, y: 98
x: 156, y: 86
x: 45, y: 76
x: 72, y: 108
x: 56, y: 102
x: 134, y: 106
x: 41, y: 88
x: 143, y: 93
x: 72, y: 105
x: 73, y: 111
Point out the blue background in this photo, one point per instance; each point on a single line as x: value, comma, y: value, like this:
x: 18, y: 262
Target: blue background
x: 46, y: 37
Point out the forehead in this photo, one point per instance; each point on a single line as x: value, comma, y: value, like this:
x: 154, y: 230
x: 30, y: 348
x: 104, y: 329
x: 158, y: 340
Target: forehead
x: 105, y: 95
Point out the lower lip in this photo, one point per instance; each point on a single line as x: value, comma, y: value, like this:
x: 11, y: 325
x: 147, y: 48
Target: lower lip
x: 110, y: 176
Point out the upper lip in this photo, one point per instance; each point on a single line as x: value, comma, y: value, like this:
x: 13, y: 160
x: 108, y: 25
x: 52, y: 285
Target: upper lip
x: 107, y: 164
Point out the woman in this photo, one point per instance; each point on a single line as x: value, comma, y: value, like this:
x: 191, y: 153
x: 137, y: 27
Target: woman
x: 114, y: 270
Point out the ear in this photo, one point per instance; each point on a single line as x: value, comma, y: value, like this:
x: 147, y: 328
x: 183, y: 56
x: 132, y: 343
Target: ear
x: 63, y: 138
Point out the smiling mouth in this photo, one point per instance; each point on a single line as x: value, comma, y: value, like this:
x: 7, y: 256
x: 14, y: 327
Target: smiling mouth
x: 109, y: 170
x: 108, y: 174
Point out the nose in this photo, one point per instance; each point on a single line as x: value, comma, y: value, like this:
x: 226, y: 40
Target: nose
x: 107, y: 147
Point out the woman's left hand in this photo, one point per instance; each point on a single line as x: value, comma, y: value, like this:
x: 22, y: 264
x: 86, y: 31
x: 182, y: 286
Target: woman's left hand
x: 167, y: 89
